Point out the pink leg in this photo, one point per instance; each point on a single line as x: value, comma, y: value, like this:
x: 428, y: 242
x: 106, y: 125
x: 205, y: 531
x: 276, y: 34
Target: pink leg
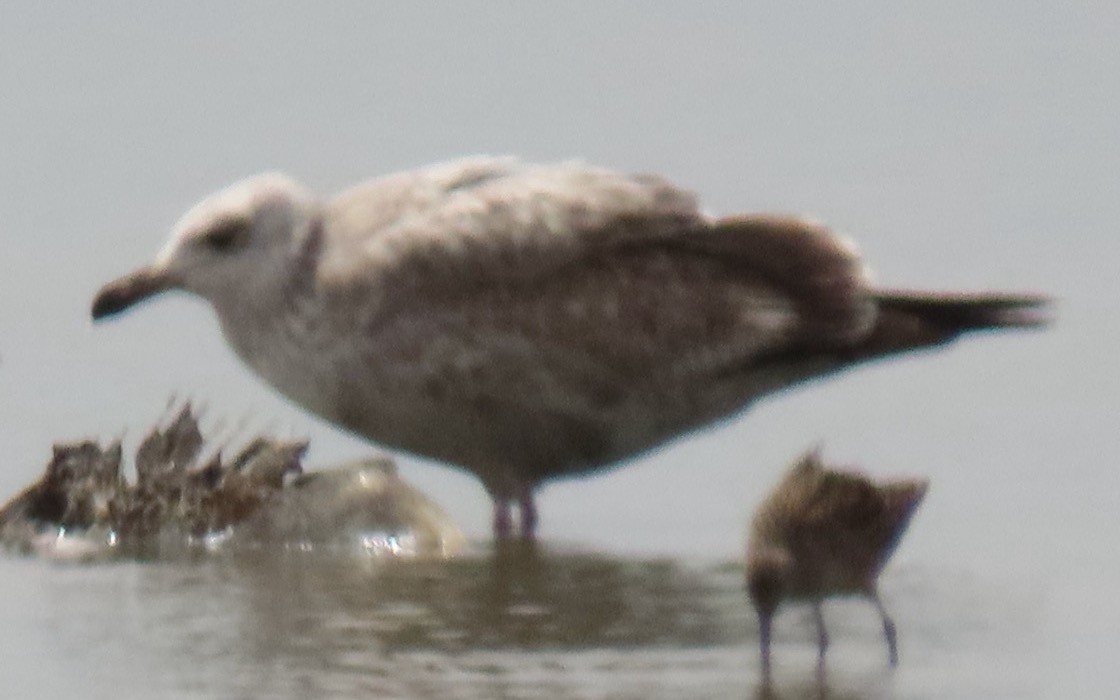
x: 528, y: 510
x: 503, y: 523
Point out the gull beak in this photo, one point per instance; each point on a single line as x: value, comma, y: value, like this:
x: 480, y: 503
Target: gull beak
x: 124, y: 293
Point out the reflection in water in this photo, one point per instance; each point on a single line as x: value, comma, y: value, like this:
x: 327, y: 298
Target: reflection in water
x: 516, y: 598
x: 512, y: 623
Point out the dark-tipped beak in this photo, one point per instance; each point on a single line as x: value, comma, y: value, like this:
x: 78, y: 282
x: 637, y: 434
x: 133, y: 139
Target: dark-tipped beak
x: 121, y: 294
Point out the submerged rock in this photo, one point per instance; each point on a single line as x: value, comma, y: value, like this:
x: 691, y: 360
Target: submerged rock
x: 364, y: 505
x: 84, y: 507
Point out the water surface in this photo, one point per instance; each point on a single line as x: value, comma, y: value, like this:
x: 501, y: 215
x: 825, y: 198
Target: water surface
x: 516, y: 623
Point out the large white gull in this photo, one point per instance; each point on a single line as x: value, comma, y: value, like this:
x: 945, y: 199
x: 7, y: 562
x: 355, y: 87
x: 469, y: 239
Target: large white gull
x: 526, y: 322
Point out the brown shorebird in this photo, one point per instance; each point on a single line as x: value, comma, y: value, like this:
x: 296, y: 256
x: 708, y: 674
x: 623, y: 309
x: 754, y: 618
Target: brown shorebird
x: 527, y: 322
x: 822, y: 533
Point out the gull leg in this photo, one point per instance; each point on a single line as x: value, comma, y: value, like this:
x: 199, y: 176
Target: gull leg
x: 822, y: 637
x: 528, y: 509
x: 503, y: 523
x: 888, y: 629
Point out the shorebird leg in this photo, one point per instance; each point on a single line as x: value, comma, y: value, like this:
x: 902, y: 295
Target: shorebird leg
x: 528, y: 508
x: 822, y: 636
x: 888, y: 629
x: 764, y: 619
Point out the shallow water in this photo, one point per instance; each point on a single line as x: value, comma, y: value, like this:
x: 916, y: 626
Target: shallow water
x: 517, y: 623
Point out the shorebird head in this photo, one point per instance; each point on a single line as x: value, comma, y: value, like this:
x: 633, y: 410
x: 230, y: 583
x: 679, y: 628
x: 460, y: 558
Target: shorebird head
x: 228, y: 247
x: 768, y: 572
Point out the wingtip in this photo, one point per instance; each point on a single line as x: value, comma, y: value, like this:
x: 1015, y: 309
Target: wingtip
x: 1030, y: 311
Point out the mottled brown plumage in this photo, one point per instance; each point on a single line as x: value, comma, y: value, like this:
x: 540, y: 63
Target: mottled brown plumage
x: 527, y: 322
x: 83, y: 487
x: 821, y: 533
x: 83, y: 507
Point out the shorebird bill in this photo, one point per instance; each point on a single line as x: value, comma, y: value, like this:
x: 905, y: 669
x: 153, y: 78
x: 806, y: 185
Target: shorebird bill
x: 124, y: 293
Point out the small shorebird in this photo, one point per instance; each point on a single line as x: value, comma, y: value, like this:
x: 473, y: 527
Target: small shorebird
x: 528, y: 322
x: 822, y: 533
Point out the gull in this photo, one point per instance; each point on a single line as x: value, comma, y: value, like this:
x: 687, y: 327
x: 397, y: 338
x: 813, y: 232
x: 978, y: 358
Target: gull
x: 825, y: 532
x: 527, y: 322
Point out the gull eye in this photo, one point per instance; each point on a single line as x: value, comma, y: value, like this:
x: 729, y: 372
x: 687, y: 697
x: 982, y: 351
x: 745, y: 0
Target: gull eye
x: 226, y: 235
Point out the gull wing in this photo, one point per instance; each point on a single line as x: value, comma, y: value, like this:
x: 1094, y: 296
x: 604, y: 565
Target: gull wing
x: 583, y: 291
x: 447, y: 230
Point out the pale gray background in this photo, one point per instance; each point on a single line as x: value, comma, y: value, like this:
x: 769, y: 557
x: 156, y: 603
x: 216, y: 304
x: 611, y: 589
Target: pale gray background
x: 962, y: 145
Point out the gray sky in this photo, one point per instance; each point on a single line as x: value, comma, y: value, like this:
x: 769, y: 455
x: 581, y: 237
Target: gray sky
x: 962, y: 145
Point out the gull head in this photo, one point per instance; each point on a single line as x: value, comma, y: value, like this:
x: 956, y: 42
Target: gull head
x: 235, y: 245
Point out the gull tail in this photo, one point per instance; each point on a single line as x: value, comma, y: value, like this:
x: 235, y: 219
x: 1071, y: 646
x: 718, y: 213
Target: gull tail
x: 912, y: 320
x: 965, y: 312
